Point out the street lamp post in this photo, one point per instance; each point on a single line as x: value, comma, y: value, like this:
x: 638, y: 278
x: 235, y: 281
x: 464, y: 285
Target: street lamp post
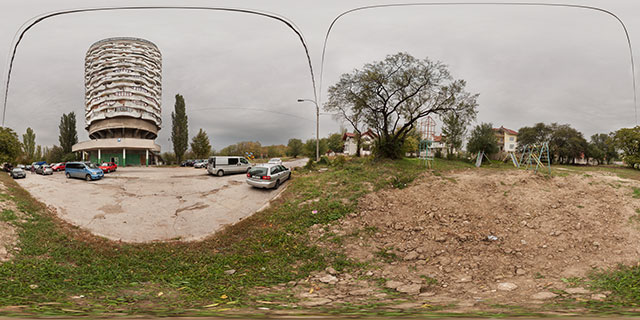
x: 317, y: 126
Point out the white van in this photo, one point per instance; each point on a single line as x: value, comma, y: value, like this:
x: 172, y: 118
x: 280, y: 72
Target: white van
x: 225, y: 165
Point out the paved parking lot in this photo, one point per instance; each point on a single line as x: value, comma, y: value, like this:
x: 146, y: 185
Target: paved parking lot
x: 146, y: 204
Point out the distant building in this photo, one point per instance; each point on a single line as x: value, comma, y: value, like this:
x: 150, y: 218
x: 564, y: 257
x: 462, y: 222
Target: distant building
x: 507, y: 139
x: 123, y: 92
x: 351, y: 144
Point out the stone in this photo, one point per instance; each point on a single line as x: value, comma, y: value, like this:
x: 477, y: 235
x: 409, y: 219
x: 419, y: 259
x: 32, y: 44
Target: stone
x: 314, y: 302
x: 507, y: 286
x: 328, y: 279
x: 520, y: 272
x: 368, y: 274
x: 409, y: 288
x: 577, y: 291
x: 361, y: 292
x: 427, y: 294
x: 391, y: 284
x: 441, y: 239
x: 230, y: 271
x: 411, y: 256
x: 331, y: 270
x: 544, y: 295
x: 598, y: 297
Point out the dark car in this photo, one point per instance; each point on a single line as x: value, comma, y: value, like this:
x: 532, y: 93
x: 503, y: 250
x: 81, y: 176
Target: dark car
x: 7, y: 167
x: 18, y: 173
x: 187, y: 163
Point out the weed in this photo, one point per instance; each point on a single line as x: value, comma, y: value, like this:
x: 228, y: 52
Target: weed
x: 8, y: 215
x: 429, y: 280
x: 387, y: 255
x: 636, y: 193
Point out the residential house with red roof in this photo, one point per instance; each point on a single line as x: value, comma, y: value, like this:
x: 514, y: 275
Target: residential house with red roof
x: 507, y: 139
x: 351, y: 144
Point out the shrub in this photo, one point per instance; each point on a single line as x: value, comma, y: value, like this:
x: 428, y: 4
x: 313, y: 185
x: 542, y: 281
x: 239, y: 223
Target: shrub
x: 324, y: 160
x: 310, y: 164
x: 339, y: 161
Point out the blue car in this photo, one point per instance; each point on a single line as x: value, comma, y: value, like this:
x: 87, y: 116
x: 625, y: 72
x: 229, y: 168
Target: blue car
x: 83, y: 170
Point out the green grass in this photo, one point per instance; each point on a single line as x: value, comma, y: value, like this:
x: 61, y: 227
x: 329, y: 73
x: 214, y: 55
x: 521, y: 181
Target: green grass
x: 58, y: 261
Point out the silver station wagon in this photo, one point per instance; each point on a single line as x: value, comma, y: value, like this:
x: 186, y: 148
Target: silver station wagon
x: 268, y: 175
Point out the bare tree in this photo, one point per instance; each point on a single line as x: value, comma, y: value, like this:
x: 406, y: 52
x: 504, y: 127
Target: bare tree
x: 390, y: 96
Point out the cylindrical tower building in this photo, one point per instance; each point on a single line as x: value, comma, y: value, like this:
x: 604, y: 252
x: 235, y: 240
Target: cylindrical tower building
x: 123, y: 92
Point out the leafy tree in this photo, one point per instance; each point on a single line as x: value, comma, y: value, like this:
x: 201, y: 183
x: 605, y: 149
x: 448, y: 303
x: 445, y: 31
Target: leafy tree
x: 567, y: 143
x: 53, y: 155
x: 392, y: 95
x: 68, y: 133
x: 38, y: 156
x: 275, y: 150
x: 179, y: 128
x: 309, y: 148
x: 454, y: 128
x: 241, y: 148
x: 601, y: 148
x: 627, y: 140
x: 294, y: 147
x: 169, y: 158
x: 335, y: 143
x: 411, y: 144
x: 483, y: 139
x: 29, y: 145
x: 200, y: 145
x: 539, y: 133
x: 9, y: 145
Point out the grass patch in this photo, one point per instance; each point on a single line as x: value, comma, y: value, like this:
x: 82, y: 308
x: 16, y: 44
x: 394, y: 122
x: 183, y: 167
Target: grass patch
x: 58, y: 261
x: 8, y: 215
x: 636, y: 193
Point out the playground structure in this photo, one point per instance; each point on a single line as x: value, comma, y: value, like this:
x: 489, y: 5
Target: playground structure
x: 537, y: 154
x: 427, y: 131
x: 532, y: 154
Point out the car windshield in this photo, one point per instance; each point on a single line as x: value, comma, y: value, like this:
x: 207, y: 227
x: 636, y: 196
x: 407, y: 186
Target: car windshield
x: 105, y: 164
x: 91, y: 165
x: 259, y: 171
x: 17, y: 170
x: 274, y: 160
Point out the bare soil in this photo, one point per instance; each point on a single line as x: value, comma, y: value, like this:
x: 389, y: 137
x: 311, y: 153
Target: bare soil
x: 8, y: 231
x: 479, y: 238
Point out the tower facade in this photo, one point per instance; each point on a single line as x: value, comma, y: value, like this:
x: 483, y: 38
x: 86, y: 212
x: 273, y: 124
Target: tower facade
x: 123, y: 94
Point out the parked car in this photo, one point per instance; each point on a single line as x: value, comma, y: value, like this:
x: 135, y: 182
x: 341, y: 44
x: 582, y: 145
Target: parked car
x: 268, y: 175
x: 58, y: 166
x: 21, y: 166
x: 275, y: 161
x: 18, y: 173
x: 200, y: 164
x: 28, y: 167
x: 7, y: 167
x: 83, y: 170
x: 108, y: 167
x: 44, y: 170
x: 187, y: 163
x: 225, y: 165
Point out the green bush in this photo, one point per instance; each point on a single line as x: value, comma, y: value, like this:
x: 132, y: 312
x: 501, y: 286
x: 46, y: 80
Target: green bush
x: 310, y: 164
x: 339, y: 161
x: 324, y: 160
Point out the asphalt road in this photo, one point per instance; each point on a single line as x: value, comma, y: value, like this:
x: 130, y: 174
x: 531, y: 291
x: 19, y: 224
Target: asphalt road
x: 140, y: 204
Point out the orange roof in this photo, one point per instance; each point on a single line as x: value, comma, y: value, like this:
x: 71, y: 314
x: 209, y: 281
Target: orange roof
x: 509, y: 131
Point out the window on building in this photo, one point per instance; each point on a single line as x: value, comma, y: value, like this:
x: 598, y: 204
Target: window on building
x: 511, y: 138
x: 511, y: 146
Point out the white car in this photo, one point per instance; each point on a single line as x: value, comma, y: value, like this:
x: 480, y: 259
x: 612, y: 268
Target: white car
x: 275, y: 161
x: 200, y: 164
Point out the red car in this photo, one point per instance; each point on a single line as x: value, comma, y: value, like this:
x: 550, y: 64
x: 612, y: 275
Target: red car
x: 108, y: 167
x: 58, y: 166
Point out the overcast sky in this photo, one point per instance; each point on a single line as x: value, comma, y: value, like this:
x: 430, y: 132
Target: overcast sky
x: 242, y: 74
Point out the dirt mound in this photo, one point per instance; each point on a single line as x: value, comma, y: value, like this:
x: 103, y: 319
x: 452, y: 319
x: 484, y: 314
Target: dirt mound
x: 492, y: 236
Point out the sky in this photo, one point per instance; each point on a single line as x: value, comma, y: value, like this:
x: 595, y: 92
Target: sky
x: 241, y: 74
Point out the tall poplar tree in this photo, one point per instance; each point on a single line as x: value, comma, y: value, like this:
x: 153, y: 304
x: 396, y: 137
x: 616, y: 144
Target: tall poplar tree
x: 179, y: 129
x: 29, y: 145
x: 68, y: 133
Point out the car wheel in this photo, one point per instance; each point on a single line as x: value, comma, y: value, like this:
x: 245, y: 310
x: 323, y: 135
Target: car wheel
x: 220, y: 173
x: 68, y: 175
x: 277, y: 184
x: 88, y: 177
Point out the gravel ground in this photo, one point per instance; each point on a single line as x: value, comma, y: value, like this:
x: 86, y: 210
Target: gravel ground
x: 139, y: 204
